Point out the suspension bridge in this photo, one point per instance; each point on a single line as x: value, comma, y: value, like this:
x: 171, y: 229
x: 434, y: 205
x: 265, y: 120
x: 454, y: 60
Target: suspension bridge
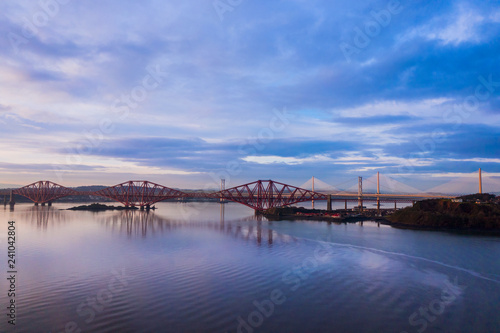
x: 259, y: 195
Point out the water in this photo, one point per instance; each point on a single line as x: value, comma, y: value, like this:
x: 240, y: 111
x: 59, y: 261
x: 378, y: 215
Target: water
x: 196, y: 268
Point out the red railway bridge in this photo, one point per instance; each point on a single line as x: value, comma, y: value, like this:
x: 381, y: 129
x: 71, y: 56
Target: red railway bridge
x: 259, y: 195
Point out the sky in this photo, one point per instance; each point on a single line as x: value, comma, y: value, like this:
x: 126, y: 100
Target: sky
x: 184, y: 93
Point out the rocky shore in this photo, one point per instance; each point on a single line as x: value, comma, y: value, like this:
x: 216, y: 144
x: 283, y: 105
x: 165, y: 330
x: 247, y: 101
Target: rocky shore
x: 95, y: 207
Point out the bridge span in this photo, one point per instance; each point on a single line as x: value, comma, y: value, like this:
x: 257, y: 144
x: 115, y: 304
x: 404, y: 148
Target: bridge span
x: 259, y: 195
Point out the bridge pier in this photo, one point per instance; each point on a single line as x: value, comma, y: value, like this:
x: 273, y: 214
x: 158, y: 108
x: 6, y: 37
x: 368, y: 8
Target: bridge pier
x: 49, y: 203
x: 141, y: 207
x: 43, y: 204
x: 12, y: 202
x: 345, y: 205
x: 395, y: 205
x: 4, y: 200
x: 36, y: 203
x: 329, y: 203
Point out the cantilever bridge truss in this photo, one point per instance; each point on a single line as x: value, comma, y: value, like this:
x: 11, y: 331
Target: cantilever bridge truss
x: 139, y: 193
x: 259, y: 195
x: 265, y: 194
x: 44, y: 191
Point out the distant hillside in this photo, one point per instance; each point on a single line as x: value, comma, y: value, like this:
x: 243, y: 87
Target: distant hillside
x: 440, y: 213
x: 92, y: 188
x: 3, y: 186
x: 92, y: 198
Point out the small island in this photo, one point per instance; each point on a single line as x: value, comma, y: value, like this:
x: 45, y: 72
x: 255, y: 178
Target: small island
x: 471, y: 212
x: 301, y: 213
x: 95, y: 207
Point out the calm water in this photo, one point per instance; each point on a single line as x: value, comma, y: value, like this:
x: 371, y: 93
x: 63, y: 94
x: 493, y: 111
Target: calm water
x: 196, y: 268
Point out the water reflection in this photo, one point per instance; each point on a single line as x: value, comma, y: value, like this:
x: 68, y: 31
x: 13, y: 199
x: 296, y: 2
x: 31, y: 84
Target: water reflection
x: 43, y: 216
x: 253, y: 228
x: 204, y: 272
x: 144, y: 224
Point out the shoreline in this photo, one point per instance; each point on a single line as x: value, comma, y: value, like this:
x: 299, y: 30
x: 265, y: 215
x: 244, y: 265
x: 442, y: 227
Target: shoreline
x: 397, y: 225
x: 318, y: 215
x: 325, y: 218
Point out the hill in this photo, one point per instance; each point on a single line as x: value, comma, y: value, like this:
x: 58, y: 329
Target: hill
x: 441, y: 213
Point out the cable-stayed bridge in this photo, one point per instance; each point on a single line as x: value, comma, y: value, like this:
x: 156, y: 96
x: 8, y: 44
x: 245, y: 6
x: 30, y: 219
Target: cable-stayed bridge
x: 387, y: 186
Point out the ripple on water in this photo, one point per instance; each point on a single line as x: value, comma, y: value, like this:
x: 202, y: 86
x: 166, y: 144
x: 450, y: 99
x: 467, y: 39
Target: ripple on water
x: 203, y: 275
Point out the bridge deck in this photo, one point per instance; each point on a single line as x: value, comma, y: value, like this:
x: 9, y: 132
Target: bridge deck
x: 259, y: 195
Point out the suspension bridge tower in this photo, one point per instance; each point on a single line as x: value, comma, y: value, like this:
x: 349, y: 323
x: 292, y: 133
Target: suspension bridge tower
x: 360, y: 193
x: 378, y: 193
x: 480, y: 182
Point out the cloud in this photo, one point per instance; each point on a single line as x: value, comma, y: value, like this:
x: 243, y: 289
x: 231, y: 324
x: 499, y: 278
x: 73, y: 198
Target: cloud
x: 224, y: 78
x: 29, y: 168
x: 461, y: 26
x: 272, y: 159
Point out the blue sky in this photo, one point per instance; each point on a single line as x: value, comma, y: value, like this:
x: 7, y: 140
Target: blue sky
x: 185, y: 92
